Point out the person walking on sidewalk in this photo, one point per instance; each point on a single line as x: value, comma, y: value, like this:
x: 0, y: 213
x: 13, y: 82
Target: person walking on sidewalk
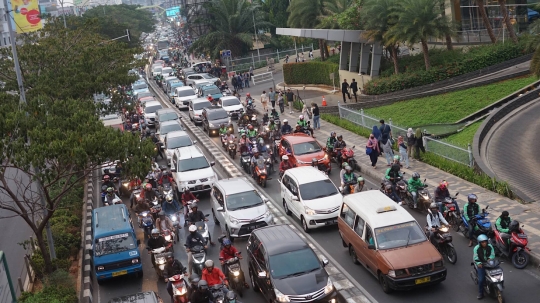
x: 306, y: 112
x: 354, y: 89
x: 264, y: 101
x: 372, y: 149
x: 345, y: 90
x: 411, y: 141
x: 316, y: 116
x: 403, y: 151
x: 281, y: 102
x: 272, y: 97
x: 290, y: 100
x: 385, y: 129
x: 419, y: 144
x: 386, y: 144
x: 246, y: 79
x: 377, y: 133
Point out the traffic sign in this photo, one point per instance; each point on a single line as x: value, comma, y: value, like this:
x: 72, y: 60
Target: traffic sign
x: 226, y: 53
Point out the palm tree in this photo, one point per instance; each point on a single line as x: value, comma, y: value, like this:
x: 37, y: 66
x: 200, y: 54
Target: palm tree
x: 509, y: 27
x: 231, y: 27
x: 330, y: 10
x: 305, y: 14
x: 485, y: 19
x: 378, y: 17
x: 534, y: 43
x: 419, y: 20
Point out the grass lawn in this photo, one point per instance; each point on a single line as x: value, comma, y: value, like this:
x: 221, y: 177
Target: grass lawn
x: 465, y: 136
x: 447, y: 108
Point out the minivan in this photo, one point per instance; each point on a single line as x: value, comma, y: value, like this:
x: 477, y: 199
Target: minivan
x: 115, y: 248
x: 196, y: 107
x: 388, y: 242
x: 213, y: 117
x: 284, y: 268
x: 184, y: 94
x: 150, y: 109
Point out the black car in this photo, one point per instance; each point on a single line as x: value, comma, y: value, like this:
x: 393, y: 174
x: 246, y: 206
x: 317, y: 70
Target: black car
x: 212, y: 117
x: 284, y: 268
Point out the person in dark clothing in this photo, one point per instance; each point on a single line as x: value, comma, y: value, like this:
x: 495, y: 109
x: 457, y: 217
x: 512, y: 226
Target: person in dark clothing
x: 354, y: 88
x: 419, y: 144
x: 192, y: 240
x: 202, y: 294
x: 196, y: 216
x: 385, y: 129
x: 155, y: 140
x: 172, y: 268
x: 345, y: 90
x: 290, y: 99
x: 155, y: 241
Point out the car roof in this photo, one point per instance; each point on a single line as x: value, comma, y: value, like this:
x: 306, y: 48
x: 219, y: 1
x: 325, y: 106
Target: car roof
x: 306, y: 174
x: 197, y: 100
x: 165, y: 110
x: 171, y: 122
x: 140, y: 297
x: 278, y: 239
x: 377, y: 209
x: 167, y: 67
x: 184, y: 88
x: 298, y: 138
x: 213, y: 108
x: 147, y: 98
x: 188, y: 152
x: 208, y: 86
x: 229, y: 98
x: 152, y: 103
x: 109, y: 220
x: 177, y: 133
x: 235, y: 185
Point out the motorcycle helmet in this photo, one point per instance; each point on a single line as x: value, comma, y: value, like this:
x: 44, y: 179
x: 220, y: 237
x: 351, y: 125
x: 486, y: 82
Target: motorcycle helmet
x: 416, y: 176
x: 110, y: 190
x: 443, y: 185
x: 344, y: 164
x: 155, y: 233
x: 163, y: 168
x: 314, y: 161
x: 254, y: 118
x: 209, y: 264
x: 148, y: 186
x: 194, y: 205
x: 285, y: 121
x: 195, y: 278
x: 396, y: 158
x: 222, y: 125
x: 106, y: 178
x: 271, y: 121
x: 388, y: 187
x: 250, y: 127
x: 472, y: 198
x: 285, y: 158
x: 226, y: 242
x: 203, y: 285
x: 433, y: 206
x: 192, y: 228
x: 248, y: 95
x: 169, y: 197
x: 339, y: 137
x: 301, y: 117
x: 348, y: 168
x: 255, y: 150
x: 161, y: 213
x: 360, y: 179
x: 482, y: 238
x: 243, y: 135
x: 514, y: 226
x: 231, y: 297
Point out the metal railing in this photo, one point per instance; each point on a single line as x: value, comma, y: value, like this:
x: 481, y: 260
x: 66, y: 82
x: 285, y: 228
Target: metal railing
x: 438, y: 147
x: 26, y: 276
x: 244, y: 63
x: 475, y: 36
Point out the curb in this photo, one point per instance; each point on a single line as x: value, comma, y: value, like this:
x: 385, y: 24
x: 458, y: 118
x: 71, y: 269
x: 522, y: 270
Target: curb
x: 87, y: 288
x: 283, y: 85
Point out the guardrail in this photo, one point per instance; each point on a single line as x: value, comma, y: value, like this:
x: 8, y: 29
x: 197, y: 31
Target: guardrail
x: 25, y: 278
x: 264, y: 77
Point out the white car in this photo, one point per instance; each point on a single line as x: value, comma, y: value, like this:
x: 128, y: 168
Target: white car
x: 149, y: 112
x: 167, y: 71
x: 311, y: 196
x: 176, y: 139
x: 239, y: 208
x: 156, y: 71
x: 196, y: 108
x: 190, y: 79
x: 184, y: 94
x: 191, y: 169
x: 167, y: 127
x: 232, y: 106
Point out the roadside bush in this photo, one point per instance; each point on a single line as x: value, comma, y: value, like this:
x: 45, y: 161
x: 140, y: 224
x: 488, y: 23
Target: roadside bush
x: 313, y: 72
x: 57, y: 288
x: 444, y: 65
x: 346, y: 124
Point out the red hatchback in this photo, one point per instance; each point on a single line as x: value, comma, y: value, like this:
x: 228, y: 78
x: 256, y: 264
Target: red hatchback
x: 301, y: 150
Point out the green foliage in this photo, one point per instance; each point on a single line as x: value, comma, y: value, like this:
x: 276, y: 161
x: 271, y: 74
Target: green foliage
x: 346, y: 124
x: 310, y: 73
x: 305, y: 13
x: 450, y: 64
x: 51, y: 293
x: 277, y: 14
x: 465, y: 136
x: 350, y: 17
x: 447, y: 108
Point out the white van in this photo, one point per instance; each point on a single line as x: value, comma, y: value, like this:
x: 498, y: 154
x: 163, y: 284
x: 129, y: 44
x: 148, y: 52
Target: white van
x: 150, y: 109
x: 195, y: 109
x: 183, y: 95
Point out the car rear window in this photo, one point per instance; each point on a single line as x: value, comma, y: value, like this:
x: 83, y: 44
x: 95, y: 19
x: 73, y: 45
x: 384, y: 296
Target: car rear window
x: 201, y: 105
x: 306, y: 148
x: 217, y: 115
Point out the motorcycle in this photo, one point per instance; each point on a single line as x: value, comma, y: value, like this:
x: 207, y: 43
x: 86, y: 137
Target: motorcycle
x: 114, y: 201
x: 202, y: 229
x: 179, y: 289
x: 135, y: 194
x: 166, y: 189
x: 155, y: 208
x: 450, y: 211
x: 494, y: 281
x: 444, y: 243
x: 217, y: 293
x: 224, y: 141
x: 176, y: 223
x: 245, y: 161
x: 146, y: 222
x: 350, y: 185
x: 423, y: 196
x: 232, y: 149
x: 169, y: 238
x: 160, y: 258
x: 198, y: 257
x: 517, y: 250
x: 481, y: 225
x: 347, y: 155
x: 235, y: 275
x: 260, y: 172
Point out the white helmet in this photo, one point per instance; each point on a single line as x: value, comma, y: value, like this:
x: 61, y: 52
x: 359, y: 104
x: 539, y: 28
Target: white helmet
x: 255, y: 150
x: 285, y: 121
x: 285, y: 157
x: 301, y: 117
x: 209, y: 263
x: 169, y: 197
x: 192, y: 228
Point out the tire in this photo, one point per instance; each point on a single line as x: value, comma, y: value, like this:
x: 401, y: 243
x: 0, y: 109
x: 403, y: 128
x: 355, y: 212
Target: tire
x: 305, y: 226
x: 263, y: 183
x: 100, y: 282
x: 353, y: 255
x: 520, y: 259
x: 384, y: 285
x: 451, y: 254
x: 286, y: 208
x: 240, y: 289
x: 253, y: 283
x: 457, y: 223
x: 499, y: 296
x: 216, y: 221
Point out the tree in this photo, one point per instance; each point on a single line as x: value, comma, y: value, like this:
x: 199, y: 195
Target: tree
x: 485, y: 19
x: 350, y: 18
x: 305, y: 14
x: 330, y: 12
x: 509, y: 26
x: 534, y: 43
x: 277, y: 13
x: 419, y: 20
x: 231, y: 27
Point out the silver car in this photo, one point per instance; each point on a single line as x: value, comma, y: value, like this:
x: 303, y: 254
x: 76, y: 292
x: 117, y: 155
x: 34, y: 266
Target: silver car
x: 167, y: 127
x: 176, y: 139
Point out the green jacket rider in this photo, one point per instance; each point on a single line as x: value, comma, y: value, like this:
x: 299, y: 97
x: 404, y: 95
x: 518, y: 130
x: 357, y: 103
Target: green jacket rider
x: 302, y: 123
x: 251, y: 133
x: 414, y: 184
x: 223, y: 130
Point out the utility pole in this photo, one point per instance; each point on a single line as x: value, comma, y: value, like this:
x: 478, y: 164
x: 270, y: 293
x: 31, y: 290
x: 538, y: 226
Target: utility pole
x: 22, y: 95
x: 256, y: 39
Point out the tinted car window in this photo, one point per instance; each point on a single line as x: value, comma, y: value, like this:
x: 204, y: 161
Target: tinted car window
x: 201, y: 105
x: 114, y: 244
x: 212, y: 91
x: 293, y: 263
x: 306, y: 148
x: 177, y: 142
x: 140, y: 86
x: 231, y: 102
x: 317, y: 190
x: 217, y: 114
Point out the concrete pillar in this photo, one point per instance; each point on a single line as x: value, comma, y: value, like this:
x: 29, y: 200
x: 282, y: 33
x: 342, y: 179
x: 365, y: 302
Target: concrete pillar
x: 353, y: 57
x: 344, y: 55
x: 364, y: 57
x: 376, y: 60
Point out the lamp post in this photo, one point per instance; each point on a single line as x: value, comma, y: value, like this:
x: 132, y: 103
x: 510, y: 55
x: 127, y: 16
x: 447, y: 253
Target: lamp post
x: 256, y: 38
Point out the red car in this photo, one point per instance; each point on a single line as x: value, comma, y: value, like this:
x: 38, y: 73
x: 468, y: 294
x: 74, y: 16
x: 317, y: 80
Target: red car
x: 301, y: 149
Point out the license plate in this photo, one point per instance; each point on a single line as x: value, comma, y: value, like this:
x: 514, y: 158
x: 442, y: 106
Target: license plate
x: 198, y: 187
x: 422, y: 280
x: 331, y: 222
x: 119, y: 273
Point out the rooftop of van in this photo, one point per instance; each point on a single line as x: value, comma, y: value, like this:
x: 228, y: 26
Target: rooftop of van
x: 235, y: 185
x: 307, y: 174
x: 110, y: 220
x: 200, y: 100
x: 279, y: 239
x: 181, y: 88
x: 377, y: 209
x: 188, y: 152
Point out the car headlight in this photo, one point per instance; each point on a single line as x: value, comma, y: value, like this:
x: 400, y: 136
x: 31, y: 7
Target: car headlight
x: 135, y: 261
x: 211, y: 125
x: 309, y: 211
x: 99, y: 268
x: 233, y: 220
x: 329, y: 287
x: 392, y: 273
x: 439, y: 263
x: 236, y: 273
x: 396, y: 273
x: 281, y: 297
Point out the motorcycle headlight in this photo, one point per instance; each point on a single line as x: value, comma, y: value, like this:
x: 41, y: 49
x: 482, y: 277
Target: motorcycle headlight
x: 125, y: 184
x: 168, y: 238
x: 210, y: 124
x: 145, y: 214
x: 309, y: 211
x: 174, y: 218
x: 233, y: 220
x: 236, y: 273
x: 137, y: 196
x: 281, y: 297
x: 329, y: 287
x: 160, y: 261
x: 444, y: 229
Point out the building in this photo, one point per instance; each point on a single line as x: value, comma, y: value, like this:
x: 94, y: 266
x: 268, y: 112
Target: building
x: 4, y: 32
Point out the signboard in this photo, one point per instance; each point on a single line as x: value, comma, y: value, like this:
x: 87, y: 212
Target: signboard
x: 26, y: 15
x: 7, y: 293
x: 173, y: 11
x: 226, y: 53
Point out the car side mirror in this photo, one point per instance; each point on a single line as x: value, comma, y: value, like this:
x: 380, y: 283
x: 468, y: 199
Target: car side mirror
x: 195, y: 142
x: 295, y: 198
x: 138, y: 242
x: 220, y: 209
x: 371, y: 246
x: 212, y: 163
x: 324, y: 261
x: 173, y: 169
x: 262, y: 274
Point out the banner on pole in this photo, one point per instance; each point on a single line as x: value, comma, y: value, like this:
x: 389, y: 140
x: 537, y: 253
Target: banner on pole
x: 26, y: 15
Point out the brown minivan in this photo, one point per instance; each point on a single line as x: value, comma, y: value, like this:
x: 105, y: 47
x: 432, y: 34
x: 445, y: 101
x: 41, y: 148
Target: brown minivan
x: 389, y: 242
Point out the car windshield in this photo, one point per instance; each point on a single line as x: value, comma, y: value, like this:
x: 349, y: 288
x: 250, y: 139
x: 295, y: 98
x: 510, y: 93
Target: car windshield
x: 217, y: 115
x: 185, y: 93
x: 140, y: 86
x: 243, y: 200
x: 192, y: 164
x: 114, y: 244
x: 177, y: 142
x: 168, y: 117
x: 212, y: 91
x: 201, y: 105
x: 293, y: 263
x: 152, y: 109
x: 144, y: 94
x: 317, y: 190
x: 231, y: 102
x: 165, y: 129
x: 207, y: 76
x: 399, y: 235
x: 306, y: 148
x: 167, y: 70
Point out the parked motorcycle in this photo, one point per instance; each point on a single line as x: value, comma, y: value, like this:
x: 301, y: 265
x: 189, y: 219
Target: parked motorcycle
x: 236, y: 275
x: 232, y: 149
x: 260, y: 172
x: 179, y: 289
x: 444, y: 244
x: 198, y: 257
x: 347, y: 155
x: 146, y: 222
x: 494, y: 281
x: 480, y: 223
x: 516, y: 250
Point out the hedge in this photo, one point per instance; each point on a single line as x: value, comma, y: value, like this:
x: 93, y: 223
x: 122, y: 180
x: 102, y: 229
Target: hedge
x: 313, y: 72
x: 57, y: 288
x: 463, y: 61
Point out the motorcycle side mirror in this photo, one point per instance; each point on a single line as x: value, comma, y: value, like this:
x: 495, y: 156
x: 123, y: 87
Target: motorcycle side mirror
x: 324, y: 261
x: 472, y: 263
x: 371, y: 246
x: 220, y: 209
x: 262, y: 274
x: 207, y: 215
x: 195, y: 142
x: 212, y: 163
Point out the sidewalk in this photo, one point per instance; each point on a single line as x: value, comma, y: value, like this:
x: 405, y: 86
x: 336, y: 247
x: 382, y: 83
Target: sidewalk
x: 528, y: 215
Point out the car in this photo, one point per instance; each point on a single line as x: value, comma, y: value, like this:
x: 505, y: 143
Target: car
x: 166, y: 81
x: 239, y: 208
x: 192, y: 170
x: 167, y: 71
x: 166, y: 114
x: 171, y: 89
x: 184, y: 94
x: 140, y: 297
x: 176, y: 139
x: 166, y: 127
x: 302, y: 149
x: 310, y: 195
x: 198, y: 65
x: 284, y: 268
x: 156, y: 71
x: 196, y: 107
x: 143, y: 95
x: 213, y: 117
x: 387, y: 240
x: 149, y: 112
x: 140, y: 87
x: 232, y: 106
x: 198, y: 83
x: 211, y: 89
x: 187, y: 71
x: 202, y: 76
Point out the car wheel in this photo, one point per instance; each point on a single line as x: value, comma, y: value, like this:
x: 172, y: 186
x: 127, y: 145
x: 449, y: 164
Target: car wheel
x: 384, y: 284
x: 253, y: 283
x: 353, y: 255
x: 305, y: 225
x: 286, y: 208
x: 215, y: 218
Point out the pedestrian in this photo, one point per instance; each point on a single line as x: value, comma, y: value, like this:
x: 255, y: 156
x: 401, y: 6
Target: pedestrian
x: 240, y: 82
x: 233, y: 82
x: 386, y: 144
x: 311, y: 54
x: 290, y: 100
x: 306, y: 112
x: 281, y: 102
x: 251, y: 71
x: 377, y: 133
x: 246, y: 79
x: 316, y: 116
x: 272, y: 97
x: 302, y: 57
x: 354, y: 88
x: 345, y: 90
x: 403, y: 151
x: 287, y: 59
x: 264, y: 101
x: 411, y: 141
x: 372, y: 149
x: 419, y: 143
x: 385, y: 130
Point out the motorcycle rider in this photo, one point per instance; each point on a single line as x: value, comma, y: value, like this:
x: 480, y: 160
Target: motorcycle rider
x: 149, y: 194
x: 197, y: 216
x: 413, y: 185
x: 471, y: 210
x: 483, y: 252
x: 107, y: 182
x: 141, y: 206
x: 251, y: 132
x: 502, y: 224
x: 228, y: 252
x: 192, y: 240
x: 156, y: 142
x: 286, y: 128
x: 359, y: 185
x: 163, y: 222
x: 223, y: 129
x: 348, y: 178
x: 171, y: 206
x: 172, y: 267
x: 274, y: 114
x: 110, y: 196
x: 338, y: 146
x: 214, y: 276
x: 285, y: 164
x: 434, y: 220
x: 254, y: 159
x: 389, y: 191
x: 330, y: 143
x: 187, y: 196
x: 166, y: 177
x: 230, y: 136
x: 272, y: 124
x: 155, y: 241
x: 440, y: 195
x: 298, y: 130
x: 136, y: 182
x: 202, y: 294
x: 304, y: 124
x: 243, y: 143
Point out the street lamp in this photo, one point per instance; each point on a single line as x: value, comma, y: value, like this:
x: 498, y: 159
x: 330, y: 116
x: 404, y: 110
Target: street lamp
x: 256, y: 38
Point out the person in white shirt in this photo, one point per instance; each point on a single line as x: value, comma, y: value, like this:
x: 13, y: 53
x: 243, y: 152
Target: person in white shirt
x: 434, y: 220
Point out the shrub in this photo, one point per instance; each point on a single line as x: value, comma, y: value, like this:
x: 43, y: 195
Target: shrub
x: 313, y: 72
x: 51, y: 294
x: 346, y: 124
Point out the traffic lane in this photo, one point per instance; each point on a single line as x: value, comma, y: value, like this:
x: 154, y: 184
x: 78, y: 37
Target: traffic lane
x: 458, y: 275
